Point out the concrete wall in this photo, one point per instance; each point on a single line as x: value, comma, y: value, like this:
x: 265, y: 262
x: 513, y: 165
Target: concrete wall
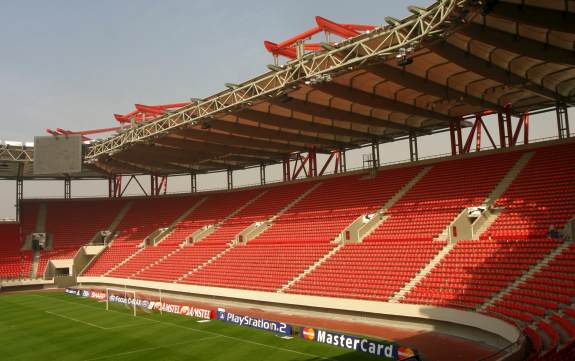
x: 406, y: 311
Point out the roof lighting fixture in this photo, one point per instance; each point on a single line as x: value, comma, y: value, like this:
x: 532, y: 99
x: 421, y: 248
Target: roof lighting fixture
x: 274, y: 67
x: 232, y: 86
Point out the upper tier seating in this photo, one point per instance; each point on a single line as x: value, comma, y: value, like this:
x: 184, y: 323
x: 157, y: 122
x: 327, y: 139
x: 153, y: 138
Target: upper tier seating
x: 448, y: 188
x: 143, y: 218
x: 70, y: 228
x: 172, y: 257
x: 191, y: 256
x: 542, y: 195
x: 303, y: 234
x: 372, y: 268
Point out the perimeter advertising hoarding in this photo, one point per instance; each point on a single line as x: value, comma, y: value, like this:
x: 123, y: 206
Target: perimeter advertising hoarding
x: 248, y: 321
x: 387, y: 350
x: 145, y: 303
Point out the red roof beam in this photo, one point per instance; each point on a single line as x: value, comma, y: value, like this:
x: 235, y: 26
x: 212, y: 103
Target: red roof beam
x: 275, y: 50
x: 335, y: 28
x: 305, y: 35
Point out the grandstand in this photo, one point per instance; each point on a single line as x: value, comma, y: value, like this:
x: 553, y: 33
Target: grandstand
x: 477, y: 244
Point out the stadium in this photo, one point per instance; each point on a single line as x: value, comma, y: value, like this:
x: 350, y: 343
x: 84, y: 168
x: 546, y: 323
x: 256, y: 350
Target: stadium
x: 465, y: 255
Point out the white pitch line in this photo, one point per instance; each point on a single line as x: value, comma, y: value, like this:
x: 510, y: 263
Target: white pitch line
x: 206, y: 332
x: 76, y: 320
x: 149, y: 349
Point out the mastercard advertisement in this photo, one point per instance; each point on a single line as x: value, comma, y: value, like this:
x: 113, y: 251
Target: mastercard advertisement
x: 385, y: 349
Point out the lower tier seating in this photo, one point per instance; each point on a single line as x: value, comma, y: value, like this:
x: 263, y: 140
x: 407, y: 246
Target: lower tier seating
x: 476, y: 270
x: 46, y: 256
x: 180, y: 262
x: 262, y: 267
x: 109, y: 258
x: 369, y: 270
x: 14, y: 263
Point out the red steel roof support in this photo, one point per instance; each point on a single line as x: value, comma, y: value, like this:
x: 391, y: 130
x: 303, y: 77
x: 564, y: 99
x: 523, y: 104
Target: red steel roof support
x: 287, y: 47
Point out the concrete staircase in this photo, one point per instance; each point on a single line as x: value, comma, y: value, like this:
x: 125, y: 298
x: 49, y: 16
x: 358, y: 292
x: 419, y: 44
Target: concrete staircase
x: 119, y: 217
x: 295, y: 201
x: 125, y: 260
x: 246, y: 205
x: 485, y: 221
x: 257, y: 228
x: 35, y: 260
x: 422, y: 273
x: 200, y: 233
x: 176, y: 250
x: 213, y: 259
x: 359, y: 228
x: 468, y: 229
x: 506, y: 181
x: 311, y: 268
x: 403, y: 190
x: 162, y: 233
x: 532, y: 270
x: 39, y: 228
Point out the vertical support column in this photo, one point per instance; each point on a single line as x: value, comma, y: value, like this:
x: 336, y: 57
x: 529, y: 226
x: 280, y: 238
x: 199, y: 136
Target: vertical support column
x: 164, y: 184
x: 117, y: 184
x: 158, y: 185
x: 509, y: 126
x: 478, y: 130
x: 375, y: 154
x: 526, y: 128
x: 337, y: 165
x: 413, y: 150
x: 343, y: 162
x: 19, y: 191
x: 153, y: 185
x: 452, y: 137
x: 459, y: 136
x: 262, y: 173
x: 501, y: 123
x: 562, y: 121
x: 286, y: 169
x: 193, y: 183
x: 67, y: 187
x: 230, y: 174
x: 111, y: 183
x: 312, y: 163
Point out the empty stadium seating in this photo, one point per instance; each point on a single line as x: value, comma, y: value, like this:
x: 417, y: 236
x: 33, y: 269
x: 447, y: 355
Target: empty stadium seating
x: 173, y: 257
x: 144, y: 217
x: 513, y: 272
x: 476, y: 270
x: 407, y: 235
x: 69, y: 228
x: 13, y: 262
x: 191, y: 256
x: 303, y: 234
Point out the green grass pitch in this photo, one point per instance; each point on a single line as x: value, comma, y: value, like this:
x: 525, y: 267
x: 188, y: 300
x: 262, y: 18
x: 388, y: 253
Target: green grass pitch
x: 53, y: 326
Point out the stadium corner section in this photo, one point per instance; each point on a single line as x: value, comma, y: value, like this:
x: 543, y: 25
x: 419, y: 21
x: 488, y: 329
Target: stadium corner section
x: 387, y: 350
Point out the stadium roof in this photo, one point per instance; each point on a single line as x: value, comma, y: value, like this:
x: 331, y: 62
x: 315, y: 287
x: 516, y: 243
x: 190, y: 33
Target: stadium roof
x: 411, y: 76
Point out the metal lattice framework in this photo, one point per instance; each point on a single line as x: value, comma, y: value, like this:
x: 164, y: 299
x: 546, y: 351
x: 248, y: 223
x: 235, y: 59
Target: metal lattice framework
x: 381, y: 42
x: 11, y: 154
x: 440, y: 70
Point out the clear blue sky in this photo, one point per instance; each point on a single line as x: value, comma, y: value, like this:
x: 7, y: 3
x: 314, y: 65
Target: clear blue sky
x: 72, y: 64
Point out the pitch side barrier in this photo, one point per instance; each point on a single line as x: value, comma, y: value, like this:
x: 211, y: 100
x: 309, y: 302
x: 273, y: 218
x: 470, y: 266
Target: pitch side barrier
x: 145, y: 302
x: 385, y: 349
x: 280, y: 328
